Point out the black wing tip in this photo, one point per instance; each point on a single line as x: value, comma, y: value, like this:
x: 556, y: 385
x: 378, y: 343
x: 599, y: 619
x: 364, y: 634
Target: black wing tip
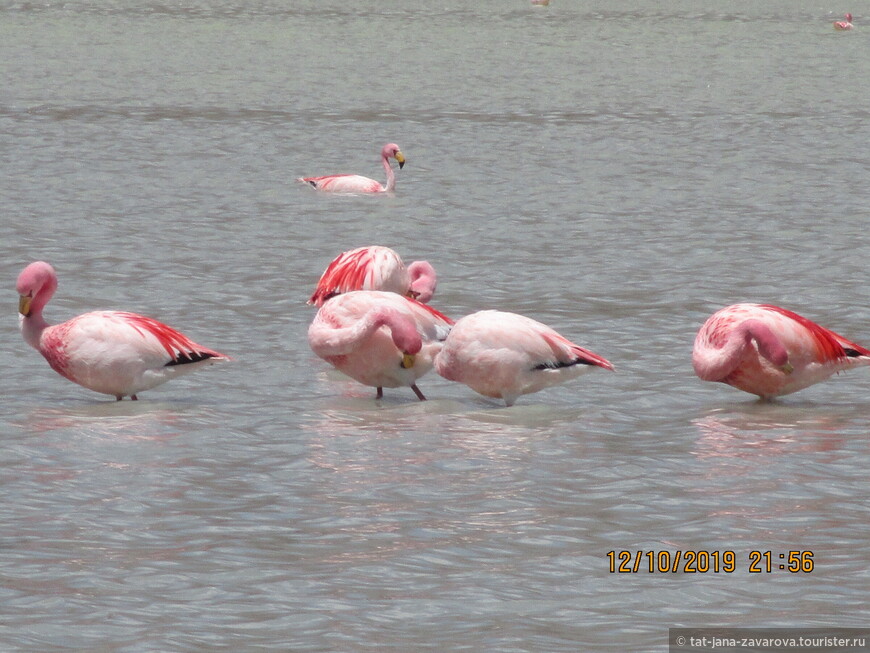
x: 187, y: 357
x: 557, y: 365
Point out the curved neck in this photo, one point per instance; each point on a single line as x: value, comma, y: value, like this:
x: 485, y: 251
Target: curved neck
x: 328, y: 340
x: 33, y: 324
x: 391, y: 176
x: 716, y: 364
x: 423, y: 280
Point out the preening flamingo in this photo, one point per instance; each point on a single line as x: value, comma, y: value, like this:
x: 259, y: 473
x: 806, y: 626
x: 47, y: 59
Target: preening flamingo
x: 375, y: 268
x: 378, y: 338
x: 770, y: 351
x: 112, y: 352
x: 357, y: 183
x: 844, y: 24
x: 505, y: 355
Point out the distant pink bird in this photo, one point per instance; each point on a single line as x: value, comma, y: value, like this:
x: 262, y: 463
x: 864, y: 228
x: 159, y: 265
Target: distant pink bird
x: 770, y: 351
x: 378, y: 338
x: 356, y: 183
x: 541, y: 3
x: 112, y: 352
x: 505, y: 355
x: 375, y: 268
x: 844, y: 24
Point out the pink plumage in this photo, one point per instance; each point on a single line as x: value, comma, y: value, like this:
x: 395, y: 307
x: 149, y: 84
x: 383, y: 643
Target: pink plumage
x: 770, y: 351
x: 112, y: 352
x: 379, y: 339
x: 346, y: 183
x: 505, y: 355
x: 843, y: 25
x: 375, y: 268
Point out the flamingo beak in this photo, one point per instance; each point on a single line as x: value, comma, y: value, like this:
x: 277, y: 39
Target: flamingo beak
x: 24, y: 305
x: 407, y: 361
x: 787, y: 369
x: 413, y: 294
x: 401, y: 159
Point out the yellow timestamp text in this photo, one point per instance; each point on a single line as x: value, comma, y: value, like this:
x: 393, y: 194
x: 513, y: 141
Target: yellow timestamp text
x: 703, y: 562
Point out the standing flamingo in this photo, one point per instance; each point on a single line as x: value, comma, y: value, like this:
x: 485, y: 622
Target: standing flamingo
x: 844, y: 24
x: 770, y: 351
x: 375, y: 268
x: 507, y: 355
x: 378, y: 338
x: 357, y: 183
x: 112, y: 352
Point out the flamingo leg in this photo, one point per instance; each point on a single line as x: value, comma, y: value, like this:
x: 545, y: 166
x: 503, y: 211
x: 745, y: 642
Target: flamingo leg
x: 380, y: 394
x: 417, y: 392
x: 134, y: 397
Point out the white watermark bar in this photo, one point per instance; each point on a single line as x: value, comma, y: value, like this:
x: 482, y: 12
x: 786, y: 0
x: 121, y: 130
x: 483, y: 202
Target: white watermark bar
x: 769, y: 640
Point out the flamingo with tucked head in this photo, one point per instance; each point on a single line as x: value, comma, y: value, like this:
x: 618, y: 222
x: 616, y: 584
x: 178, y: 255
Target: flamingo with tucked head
x: 356, y: 183
x: 112, y: 352
x: 770, y: 351
x: 375, y: 268
x: 505, y: 355
x: 379, y: 339
x: 843, y: 25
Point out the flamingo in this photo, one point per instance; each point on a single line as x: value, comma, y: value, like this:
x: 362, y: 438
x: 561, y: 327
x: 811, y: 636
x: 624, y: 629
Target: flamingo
x: 505, y: 355
x: 112, y: 352
x: 844, y: 24
x: 770, y: 351
x: 379, y: 338
x: 541, y: 3
x: 375, y: 268
x: 357, y: 183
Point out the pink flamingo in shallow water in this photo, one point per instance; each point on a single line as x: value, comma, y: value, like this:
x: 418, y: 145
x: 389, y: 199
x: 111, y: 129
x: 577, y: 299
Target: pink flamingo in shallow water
x: 505, y: 355
x: 770, y: 351
x: 357, y: 183
x: 375, y: 268
x: 112, y: 352
x: 844, y: 24
x: 378, y: 338
x: 541, y: 3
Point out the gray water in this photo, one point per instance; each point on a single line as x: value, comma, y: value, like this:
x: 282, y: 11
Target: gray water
x: 616, y: 172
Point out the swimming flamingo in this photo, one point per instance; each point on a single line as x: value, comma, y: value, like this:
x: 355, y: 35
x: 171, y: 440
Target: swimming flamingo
x: 507, y: 355
x: 375, y: 268
x: 356, y: 183
x: 770, y: 351
x: 379, y: 338
x: 844, y: 24
x: 112, y: 352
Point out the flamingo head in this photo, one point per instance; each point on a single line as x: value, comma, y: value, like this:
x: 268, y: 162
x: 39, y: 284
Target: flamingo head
x: 849, y: 17
x: 33, y: 280
x: 392, y: 151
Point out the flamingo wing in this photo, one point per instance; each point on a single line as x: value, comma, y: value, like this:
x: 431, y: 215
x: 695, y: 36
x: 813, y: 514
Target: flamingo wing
x: 364, y: 268
x: 345, y: 183
x: 829, y: 345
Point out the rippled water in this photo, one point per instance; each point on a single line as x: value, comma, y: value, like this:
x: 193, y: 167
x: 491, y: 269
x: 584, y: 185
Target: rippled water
x: 618, y: 173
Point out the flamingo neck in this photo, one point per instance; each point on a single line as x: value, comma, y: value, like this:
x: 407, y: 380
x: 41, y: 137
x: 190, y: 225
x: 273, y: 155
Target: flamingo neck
x: 33, y: 324
x: 726, y: 359
x: 343, y: 341
x: 32, y: 327
x: 423, y: 280
x: 391, y: 176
